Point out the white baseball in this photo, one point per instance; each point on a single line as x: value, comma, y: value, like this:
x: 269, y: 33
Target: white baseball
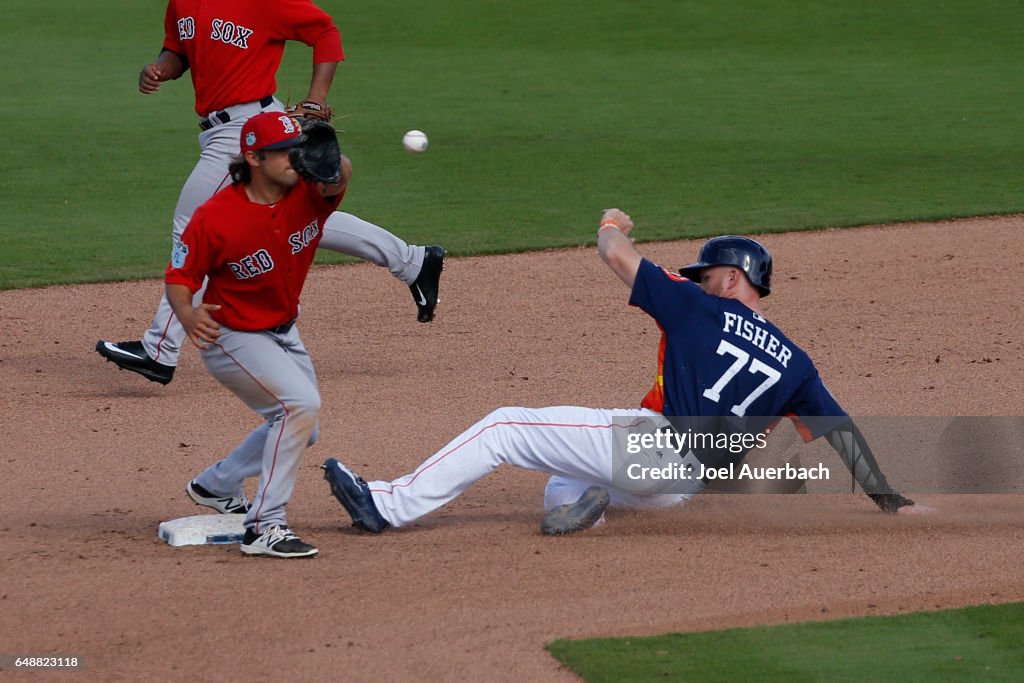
x: 415, y: 141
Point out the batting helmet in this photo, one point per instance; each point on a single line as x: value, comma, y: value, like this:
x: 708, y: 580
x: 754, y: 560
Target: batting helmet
x: 744, y: 253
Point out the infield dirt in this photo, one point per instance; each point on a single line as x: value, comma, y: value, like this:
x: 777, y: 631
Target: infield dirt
x: 915, y: 319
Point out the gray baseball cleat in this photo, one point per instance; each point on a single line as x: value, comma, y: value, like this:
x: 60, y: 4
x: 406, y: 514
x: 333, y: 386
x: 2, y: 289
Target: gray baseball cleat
x: 354, y: 495
x: 130, y: 355
x: 573, y: 517
x: 428, y: 283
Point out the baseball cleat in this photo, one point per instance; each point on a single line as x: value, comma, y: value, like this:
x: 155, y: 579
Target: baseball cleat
x: 354, y: 495
x: 276, y: 541
x: 130, y: 355
x: 573, y: 517
x: 428, y: 283
x: 226, y: 505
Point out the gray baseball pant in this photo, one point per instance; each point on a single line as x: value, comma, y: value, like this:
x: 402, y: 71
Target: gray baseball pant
x: 272, y: 374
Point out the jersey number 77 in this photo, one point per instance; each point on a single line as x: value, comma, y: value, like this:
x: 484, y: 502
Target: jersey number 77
x: 714, y: 393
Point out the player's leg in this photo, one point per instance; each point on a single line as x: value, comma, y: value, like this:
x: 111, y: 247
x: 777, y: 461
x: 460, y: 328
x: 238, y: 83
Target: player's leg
x: 163, y: 340
x: 351, y: 235
x: 274, y: 376
x: 574, y: 442
x: 563, y: 491
x: 224, y: 480
x: 221, y: 485
x: 417, y: 266
x: 156, y: 355
x: 225, y: 477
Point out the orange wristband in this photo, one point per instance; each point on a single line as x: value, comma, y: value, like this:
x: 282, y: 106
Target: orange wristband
x: 608, y: 225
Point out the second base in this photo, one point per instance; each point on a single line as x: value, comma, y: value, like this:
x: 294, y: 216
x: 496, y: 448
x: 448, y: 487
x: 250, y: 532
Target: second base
x: 203, y: 530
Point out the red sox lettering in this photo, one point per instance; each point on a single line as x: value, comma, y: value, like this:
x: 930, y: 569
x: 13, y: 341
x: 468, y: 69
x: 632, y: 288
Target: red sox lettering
x: 261, y: 261
x: 252, y: 265
x: 231, y: 33
x: 301, y: 239
x: 186, y: 28
x: 226, y: 31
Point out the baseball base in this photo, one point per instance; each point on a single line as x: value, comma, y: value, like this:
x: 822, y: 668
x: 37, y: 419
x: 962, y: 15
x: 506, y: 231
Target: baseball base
x: 203, y: 530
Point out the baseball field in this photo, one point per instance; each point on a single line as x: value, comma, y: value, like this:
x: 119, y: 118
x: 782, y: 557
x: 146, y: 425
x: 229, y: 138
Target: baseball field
x: 875, y: 149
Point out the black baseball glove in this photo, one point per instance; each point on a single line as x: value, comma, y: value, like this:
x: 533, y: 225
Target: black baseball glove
x: 317, y: 156
x: 890, y: 502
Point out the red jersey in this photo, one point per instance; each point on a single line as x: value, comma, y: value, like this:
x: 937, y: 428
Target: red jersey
x: 234, y: 47
x: 257, y: 256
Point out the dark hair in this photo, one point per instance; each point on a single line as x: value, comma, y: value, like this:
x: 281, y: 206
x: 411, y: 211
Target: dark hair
x: 239, y: 168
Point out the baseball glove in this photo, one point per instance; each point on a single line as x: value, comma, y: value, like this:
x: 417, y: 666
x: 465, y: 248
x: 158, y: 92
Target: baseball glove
x: 890, y: 502
x: 311, y: 109
x: 317, y: 156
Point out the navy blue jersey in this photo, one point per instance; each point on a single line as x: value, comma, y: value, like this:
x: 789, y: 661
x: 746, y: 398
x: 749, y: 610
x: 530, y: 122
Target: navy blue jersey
x: 718, y: 358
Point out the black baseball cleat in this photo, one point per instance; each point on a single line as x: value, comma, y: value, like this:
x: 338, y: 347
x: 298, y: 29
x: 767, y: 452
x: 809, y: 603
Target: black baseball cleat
x: 226, y: 505
x: 130, y: 355
x: 583, y: 514
x: 276, y: 541
x: 428, y: 283
x: 354, y: 495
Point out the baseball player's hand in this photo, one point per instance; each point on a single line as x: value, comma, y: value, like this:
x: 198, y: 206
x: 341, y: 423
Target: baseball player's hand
x: 201, y: 329
x: 317, y: 156
x: 150, y: 78
x: 894, y: 503
x: 617, y: 218
x: 620, y: 254
x: 311, y: 109
x: 334, y: 189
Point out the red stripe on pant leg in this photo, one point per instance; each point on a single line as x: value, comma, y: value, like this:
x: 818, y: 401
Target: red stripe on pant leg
x: 163, y: 336
x: 501, y: 424
x: 273, y: 464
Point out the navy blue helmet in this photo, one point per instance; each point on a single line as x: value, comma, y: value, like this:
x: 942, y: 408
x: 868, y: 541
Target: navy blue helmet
x: 744, y: 253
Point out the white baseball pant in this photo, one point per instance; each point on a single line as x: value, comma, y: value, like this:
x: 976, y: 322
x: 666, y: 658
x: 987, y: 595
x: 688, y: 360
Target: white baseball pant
x: 573, y: 444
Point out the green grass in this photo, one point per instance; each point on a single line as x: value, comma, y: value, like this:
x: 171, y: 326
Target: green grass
x: 698, y: 118
x: 972, y: 644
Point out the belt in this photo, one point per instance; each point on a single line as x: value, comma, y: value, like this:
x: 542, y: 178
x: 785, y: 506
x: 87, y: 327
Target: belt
x: 223, y: 116
x: 282, y: 329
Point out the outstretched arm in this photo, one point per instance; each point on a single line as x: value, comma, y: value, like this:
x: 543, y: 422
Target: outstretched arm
x: 852, y: 447
x: 615, y: 246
